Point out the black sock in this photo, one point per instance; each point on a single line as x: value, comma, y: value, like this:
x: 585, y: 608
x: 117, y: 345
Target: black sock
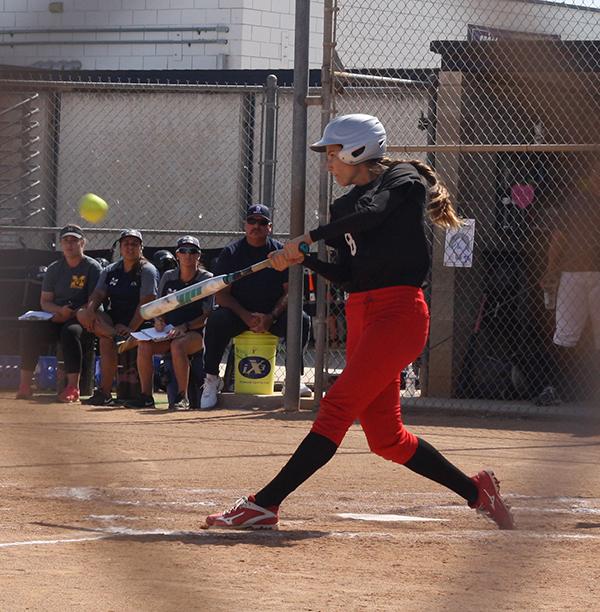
x: 313, y: 453
x: 429, y: 462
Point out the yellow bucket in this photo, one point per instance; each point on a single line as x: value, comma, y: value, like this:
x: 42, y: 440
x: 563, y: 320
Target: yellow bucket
x: 255, y: 363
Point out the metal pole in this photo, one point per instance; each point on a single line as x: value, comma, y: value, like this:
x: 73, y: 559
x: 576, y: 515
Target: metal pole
x: 247, y: 167
x: 321, y: 314
x: 297, y: 205
x: 269, y: 157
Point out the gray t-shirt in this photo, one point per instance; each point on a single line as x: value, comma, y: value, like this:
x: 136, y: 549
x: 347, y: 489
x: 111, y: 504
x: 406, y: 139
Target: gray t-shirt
x: 71, y: 286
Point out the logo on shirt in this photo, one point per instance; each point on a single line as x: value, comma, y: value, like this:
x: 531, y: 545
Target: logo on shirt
x: 77, y: 281
x: 254, y: 367
x: 350, y: 242
x: 113, y: 281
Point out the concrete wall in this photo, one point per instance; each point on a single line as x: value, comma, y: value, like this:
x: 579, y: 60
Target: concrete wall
x: 261, y: 34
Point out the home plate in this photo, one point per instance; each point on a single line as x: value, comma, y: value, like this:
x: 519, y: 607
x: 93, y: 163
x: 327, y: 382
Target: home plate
x: 389, y: 518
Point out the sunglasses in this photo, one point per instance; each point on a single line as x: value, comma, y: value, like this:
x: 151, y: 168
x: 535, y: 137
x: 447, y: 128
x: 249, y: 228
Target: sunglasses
x: 259, y: 221
x: 188, y: 250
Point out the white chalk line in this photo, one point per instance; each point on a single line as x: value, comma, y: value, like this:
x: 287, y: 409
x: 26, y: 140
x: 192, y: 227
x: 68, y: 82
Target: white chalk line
x: 115, y: 532
x: 390, y: 518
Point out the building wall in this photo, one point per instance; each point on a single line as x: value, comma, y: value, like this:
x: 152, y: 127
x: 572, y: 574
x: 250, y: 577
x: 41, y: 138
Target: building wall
x: 261, y: 34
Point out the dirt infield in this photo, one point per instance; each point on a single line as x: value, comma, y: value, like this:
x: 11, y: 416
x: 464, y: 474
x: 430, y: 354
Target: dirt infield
x: 101, y: 510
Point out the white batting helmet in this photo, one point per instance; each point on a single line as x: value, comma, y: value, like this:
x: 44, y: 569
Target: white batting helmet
x: 362, y: 137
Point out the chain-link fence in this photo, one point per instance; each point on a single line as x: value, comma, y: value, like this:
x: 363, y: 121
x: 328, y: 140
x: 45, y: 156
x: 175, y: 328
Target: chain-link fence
x: 503, y: 99
x: 169, y: 160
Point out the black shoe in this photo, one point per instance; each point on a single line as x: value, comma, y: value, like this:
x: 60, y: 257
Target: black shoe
x: 181, y: 403
x: 143, y: 401
x: 99, y: 398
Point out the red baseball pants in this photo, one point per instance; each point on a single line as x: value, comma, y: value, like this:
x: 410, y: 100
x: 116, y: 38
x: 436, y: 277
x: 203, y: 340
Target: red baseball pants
x: 387, y: 330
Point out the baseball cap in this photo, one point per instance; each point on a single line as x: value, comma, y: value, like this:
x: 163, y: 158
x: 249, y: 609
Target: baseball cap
x: 191, y: 240
x: 260, y: 210
x: 71, y: 230
x: 131, y: 232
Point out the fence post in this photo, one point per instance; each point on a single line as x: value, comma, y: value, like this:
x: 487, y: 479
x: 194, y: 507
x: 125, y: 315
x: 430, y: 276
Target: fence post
x: 270, y: 142
x: 297, y: 204
x: 321, y: 309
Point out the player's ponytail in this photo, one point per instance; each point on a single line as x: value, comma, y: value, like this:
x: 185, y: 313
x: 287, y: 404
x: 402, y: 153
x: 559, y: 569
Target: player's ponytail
x: 440, y: 209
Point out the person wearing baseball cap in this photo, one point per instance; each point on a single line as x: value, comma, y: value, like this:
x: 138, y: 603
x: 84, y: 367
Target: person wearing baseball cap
x: 257, y: 303
x: 260, y: 211
x: 66, y: 286
x: 188, y: 241
x: 186, y: 336
x: 126, y: 284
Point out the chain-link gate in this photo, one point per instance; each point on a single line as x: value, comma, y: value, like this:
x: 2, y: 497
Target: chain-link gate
x: 502, y: 98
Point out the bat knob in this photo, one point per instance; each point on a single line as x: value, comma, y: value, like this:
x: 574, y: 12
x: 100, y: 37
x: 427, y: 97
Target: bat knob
x: 304, y: 248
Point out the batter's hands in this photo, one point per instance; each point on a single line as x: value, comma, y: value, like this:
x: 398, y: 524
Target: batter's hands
x: 290, y: 255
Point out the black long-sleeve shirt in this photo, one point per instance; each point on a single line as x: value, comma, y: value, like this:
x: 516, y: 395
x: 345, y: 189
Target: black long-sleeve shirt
x: 378, y: 231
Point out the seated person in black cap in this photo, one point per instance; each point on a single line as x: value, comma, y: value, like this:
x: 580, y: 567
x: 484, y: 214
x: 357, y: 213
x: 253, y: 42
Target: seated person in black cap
x: 257, y: 303
x: 67, y: 285
x: 127, y: 284
x: 185, y: 338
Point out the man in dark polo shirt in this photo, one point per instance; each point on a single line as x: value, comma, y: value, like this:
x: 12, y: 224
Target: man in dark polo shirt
x: 67, y: 285
x: 257, y: 303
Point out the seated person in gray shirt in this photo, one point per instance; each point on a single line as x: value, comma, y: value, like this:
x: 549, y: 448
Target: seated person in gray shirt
x: 126, y: 284
x: 186, y: 337
x: 67, y: 286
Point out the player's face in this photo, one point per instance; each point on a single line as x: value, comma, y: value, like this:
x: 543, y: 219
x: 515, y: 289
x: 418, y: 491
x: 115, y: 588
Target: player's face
x: 71, y: 246
x: 131, y: 248
x: 257, y: 229
x: 188, y: 256
x: 343, y: 173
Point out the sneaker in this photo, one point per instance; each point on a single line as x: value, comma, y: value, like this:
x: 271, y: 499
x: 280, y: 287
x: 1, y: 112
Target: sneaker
x: 143, y: 401
x: 403, y: 380
x: 99, y: 398
x: 69, y: 395
x: 24, y: 392
x: 548, y: 397
x: 489, y: 503
x: 181, y: 403
x: 209, y: 392
x: 245, y: 514
x: 305, y: 391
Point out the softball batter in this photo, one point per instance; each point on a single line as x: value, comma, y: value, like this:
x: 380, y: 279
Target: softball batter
x: 378, y: 230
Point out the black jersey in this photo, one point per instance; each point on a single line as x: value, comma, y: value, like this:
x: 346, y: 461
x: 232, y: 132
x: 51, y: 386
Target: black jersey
x: 124, y: 289
x: 378, y: 231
